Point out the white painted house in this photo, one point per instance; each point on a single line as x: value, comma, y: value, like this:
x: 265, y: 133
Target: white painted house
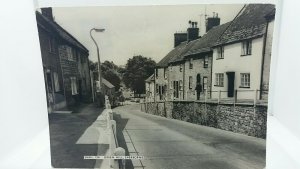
x: 238, y: 56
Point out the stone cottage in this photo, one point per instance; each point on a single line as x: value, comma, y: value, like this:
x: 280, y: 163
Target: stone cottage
x: 65, y: 64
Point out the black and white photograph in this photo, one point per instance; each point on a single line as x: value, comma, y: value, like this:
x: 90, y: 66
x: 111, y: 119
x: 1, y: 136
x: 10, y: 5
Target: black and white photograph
x: 157, y: 87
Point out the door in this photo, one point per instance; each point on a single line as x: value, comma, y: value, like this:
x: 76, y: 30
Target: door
x: 49, y: 91
x: 198, y: 86
x: 230, y: 79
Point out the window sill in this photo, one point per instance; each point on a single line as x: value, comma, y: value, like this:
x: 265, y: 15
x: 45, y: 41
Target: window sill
x: 245, y: 87
x: 246, y: 55
x: 219, y: 58
x: 218, y: 86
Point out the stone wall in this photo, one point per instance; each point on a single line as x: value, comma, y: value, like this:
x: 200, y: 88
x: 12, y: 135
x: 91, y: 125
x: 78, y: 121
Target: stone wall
x: 240, y: 118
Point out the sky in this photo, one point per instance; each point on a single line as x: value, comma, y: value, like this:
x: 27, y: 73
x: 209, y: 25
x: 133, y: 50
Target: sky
x: 135, y: 30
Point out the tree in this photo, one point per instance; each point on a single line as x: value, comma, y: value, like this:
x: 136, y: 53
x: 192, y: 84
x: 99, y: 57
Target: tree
x: 109, y: 71
x: 137, y: 70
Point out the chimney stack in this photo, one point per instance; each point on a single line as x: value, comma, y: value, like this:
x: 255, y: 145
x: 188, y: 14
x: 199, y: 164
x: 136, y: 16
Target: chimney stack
x: 192, y: 31
x: 179, y: 37
x: 47, y: 12
x: 212, y: 21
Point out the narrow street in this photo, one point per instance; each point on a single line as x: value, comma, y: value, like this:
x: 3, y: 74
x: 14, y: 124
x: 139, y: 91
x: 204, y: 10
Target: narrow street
x: 172, y: 144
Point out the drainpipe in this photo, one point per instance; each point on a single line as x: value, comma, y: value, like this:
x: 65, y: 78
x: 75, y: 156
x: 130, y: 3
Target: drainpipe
x: 155, y: 84
x: 263, y: 60
x: 183, y: 81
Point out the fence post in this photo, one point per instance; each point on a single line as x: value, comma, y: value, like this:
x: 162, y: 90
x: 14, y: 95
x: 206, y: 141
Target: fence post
x: 113, y: 142
x: 235, y: 96
x: 205, y: 97
x: 255, y: 97
x: 219, y: 97
x: 120, y: 152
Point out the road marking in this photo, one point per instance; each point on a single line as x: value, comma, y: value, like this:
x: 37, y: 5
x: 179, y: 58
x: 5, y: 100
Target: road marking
x: 135, y: 151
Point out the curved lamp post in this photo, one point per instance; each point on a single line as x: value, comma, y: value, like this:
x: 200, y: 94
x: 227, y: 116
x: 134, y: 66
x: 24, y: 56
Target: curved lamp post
x: 98, y: 55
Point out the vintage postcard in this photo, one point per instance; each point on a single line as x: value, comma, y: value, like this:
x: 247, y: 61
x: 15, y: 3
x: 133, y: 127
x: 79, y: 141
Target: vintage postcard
x: 157, y: 87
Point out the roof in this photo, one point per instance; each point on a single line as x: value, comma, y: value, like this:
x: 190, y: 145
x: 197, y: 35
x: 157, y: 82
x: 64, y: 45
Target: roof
x: 172, y: 54
x: 150, y: 78
x: 41, y: 20
x: 202, y: 44
x: 180, y: 56
x: 107, y: 83
x: 248, y: 24
x: 205, y: 43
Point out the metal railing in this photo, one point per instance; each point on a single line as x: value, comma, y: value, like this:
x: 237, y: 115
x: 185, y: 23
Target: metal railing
x: 241, y: 96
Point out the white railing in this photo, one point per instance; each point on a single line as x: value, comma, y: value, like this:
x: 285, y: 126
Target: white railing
x: 114, y: 149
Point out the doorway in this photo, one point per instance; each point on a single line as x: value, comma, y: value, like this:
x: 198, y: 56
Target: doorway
x: 230, y: 79
x: 198, y: 86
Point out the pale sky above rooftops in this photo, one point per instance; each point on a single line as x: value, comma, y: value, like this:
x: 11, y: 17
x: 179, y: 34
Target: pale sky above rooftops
x: 136, y: 30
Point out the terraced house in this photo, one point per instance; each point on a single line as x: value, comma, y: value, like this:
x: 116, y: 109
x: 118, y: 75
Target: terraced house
x: 240, y: 61
x: 65, y: 64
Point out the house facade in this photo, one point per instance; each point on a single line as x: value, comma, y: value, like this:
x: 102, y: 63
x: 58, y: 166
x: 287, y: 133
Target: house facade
x: 230, y: 61
x: 65, y: 64
x: 239, y: 54
x: 150, y: 89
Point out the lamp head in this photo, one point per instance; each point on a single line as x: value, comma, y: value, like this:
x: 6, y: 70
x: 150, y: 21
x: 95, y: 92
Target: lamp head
x: 99, y: 30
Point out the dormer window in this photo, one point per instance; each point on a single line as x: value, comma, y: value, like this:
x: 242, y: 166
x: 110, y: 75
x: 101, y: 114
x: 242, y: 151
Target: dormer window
x: 180, y: 67
x: 246, y: 47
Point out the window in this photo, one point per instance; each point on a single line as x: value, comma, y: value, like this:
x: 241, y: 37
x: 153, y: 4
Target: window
x: 171, y: 85
x: 205, y: 61
x: 190, y: 82
x: 70, y: 53
x: 156, y: 73
x: 246, y: 47
x: 157, y: 89
x: 165, y: 73
x: 220, y: 52
x: 180, y: 85
x: 51, y: 45
x: 191, y: 63
x: 219, y: 79
x: 56, y: 82
x: 180, y: 67
x: 245, y: 80
x: 74, y: 85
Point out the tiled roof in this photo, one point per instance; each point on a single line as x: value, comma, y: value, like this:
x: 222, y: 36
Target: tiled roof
x: 149, y: 79
x: 202, y: 44
x: 172, y: 54
x: 181, y: 55
x: 249, y: 24
x: 59, y: 30
x: 107, y: 83
x: 205, y: 43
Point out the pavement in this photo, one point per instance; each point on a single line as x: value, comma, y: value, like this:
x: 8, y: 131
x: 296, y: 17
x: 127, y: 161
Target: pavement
x: 75, y: 135
x: 173, y: 144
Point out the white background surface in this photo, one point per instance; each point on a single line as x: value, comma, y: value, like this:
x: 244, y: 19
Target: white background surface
x: 24, y: 130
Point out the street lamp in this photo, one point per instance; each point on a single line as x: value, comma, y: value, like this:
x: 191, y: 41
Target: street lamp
x: 98, y: 54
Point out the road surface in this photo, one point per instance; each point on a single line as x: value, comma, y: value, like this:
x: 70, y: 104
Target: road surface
x: 173, y: 144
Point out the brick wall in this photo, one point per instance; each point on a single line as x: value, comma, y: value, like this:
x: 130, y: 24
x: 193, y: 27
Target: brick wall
x: 243, y: 118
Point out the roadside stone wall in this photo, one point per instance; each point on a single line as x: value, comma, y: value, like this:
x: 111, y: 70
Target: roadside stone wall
x: 243, y: 118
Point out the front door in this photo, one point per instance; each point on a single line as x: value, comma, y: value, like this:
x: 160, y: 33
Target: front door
x: 49, y: 91
x: 230, y: 79
x: 198, y: 86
